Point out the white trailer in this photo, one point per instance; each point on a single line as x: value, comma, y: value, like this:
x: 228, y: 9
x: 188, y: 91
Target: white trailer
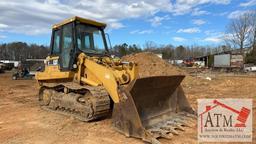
x: 228, y: 62
x: 221, y: 61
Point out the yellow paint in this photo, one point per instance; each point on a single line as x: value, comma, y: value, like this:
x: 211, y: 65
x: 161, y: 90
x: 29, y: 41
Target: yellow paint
x: 82, y: 20
x: 89, y: 82
x: 53, y: 72
x: 106, y: 76
x: 90, y: 75
x: 94, y: 71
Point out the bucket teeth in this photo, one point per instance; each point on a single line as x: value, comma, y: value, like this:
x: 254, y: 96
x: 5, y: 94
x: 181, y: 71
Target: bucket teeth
x: 173, y: 131
x: 175, y: 125
x: 188, y: 115
x: 183, y: 122
x: 170, y: 129
x: 186, y: 118
x: 155, y: 132
x: 189, y: 120
x: 165, y: 134
x: 155, y: 141
x: 161, y: 133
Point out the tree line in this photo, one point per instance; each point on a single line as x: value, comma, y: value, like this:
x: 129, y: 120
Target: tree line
x: 168, y: 51
x: 20, y: 51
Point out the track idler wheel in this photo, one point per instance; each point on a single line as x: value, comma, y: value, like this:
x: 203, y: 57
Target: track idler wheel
x: 45, y: 96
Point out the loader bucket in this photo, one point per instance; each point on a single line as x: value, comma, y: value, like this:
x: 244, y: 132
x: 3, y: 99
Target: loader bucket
x: 152, y: 107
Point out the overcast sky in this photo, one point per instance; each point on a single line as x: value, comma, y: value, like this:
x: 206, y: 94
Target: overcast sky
x: 187, y: 22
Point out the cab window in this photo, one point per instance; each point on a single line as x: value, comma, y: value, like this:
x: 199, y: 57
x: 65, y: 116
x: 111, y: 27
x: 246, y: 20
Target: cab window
x: 67, y: 45
x: 90, y: 39
x: 56, y: 42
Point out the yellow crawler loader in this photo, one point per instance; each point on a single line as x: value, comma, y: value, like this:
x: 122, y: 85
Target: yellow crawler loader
x: 82, y: 80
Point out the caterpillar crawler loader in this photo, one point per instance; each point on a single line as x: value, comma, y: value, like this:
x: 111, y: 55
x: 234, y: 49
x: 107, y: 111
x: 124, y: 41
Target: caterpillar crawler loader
x: 82, y: 80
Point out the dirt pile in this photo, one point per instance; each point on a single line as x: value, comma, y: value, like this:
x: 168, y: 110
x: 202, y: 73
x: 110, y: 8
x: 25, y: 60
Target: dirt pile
x: 150, y: 64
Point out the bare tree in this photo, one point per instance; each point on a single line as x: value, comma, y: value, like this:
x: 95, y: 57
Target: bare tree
x: 253, y: 29
x: 21, y: 51
x: 150, y: 45
x: 239, y: 31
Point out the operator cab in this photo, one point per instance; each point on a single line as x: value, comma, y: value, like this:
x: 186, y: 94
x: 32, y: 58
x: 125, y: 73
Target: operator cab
x: 76, y: 35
